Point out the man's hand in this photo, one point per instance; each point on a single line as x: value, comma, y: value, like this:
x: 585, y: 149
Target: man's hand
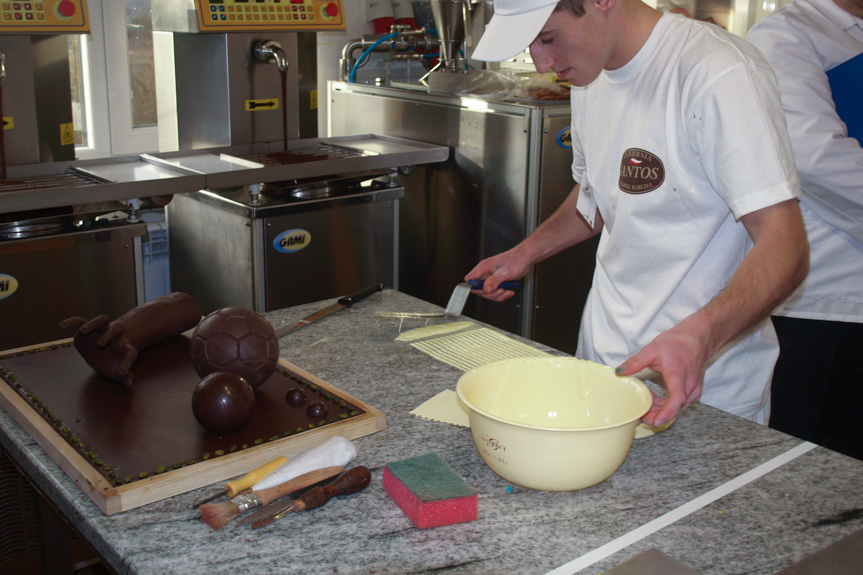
x: 564, y: 228
x: 776, y: 264
x: 510, y: 265
x: 680, y: 356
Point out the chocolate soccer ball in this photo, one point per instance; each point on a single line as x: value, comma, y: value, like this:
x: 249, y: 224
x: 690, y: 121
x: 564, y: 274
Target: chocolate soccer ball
x: 235, y: 340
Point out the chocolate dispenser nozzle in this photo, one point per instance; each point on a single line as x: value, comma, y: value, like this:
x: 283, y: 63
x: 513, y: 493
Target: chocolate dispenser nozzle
x: 271, y: 52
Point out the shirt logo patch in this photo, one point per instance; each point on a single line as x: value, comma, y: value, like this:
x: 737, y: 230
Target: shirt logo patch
x: 640, y: 172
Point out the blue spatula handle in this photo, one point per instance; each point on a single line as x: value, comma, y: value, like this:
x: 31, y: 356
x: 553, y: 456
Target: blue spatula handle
x: 477, y: 284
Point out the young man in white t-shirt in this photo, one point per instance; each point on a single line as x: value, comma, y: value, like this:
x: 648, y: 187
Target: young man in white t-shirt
x: 684, y: 167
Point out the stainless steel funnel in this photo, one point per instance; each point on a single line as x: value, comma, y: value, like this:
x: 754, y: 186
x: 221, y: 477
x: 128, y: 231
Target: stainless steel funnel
x: 452, y: 19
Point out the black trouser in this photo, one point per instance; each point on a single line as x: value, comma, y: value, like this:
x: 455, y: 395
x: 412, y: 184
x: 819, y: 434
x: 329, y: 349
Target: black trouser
x: 817, y: 390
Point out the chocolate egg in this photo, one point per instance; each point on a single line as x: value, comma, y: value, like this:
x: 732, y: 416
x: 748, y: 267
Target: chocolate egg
x: 223, y: 402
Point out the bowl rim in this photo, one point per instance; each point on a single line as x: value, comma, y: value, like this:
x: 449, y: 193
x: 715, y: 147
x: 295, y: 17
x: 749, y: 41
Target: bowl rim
x: 533, y: 359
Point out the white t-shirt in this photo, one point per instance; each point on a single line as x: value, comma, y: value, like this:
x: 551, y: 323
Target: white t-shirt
x: 674, y: 148
x: 802, y: 42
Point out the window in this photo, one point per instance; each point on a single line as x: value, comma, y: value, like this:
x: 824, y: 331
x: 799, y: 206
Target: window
x: 113, y: 85
x: 139, y: 38
x: 77, y: 71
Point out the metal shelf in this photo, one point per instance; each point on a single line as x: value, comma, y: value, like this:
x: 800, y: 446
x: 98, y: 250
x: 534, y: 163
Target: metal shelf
x: 60, y: 184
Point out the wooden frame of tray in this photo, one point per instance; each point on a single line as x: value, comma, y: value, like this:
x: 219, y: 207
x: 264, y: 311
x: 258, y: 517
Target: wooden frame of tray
x: 112, y: 499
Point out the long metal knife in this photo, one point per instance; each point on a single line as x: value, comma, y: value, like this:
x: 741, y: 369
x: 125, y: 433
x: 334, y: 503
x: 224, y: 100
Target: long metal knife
x: 343, y: 302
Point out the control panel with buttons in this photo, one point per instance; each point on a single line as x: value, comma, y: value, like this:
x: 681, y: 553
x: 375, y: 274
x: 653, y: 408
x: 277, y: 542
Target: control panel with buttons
x: 44, y: 16
x: 274, y: 15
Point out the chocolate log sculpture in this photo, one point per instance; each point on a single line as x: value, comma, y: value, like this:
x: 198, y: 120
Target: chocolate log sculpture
x: 111, y: 347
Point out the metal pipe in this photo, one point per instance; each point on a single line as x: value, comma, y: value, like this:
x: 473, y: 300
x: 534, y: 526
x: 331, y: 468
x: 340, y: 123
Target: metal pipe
x: 348, y: 60
x: 405, y: 41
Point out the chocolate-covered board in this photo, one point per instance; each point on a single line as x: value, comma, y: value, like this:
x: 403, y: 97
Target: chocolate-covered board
x: 126, y: 447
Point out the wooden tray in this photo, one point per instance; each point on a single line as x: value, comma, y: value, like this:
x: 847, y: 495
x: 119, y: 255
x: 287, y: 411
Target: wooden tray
x: 113, y: 498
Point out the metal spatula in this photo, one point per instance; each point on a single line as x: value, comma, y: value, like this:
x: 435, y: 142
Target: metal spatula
x: 453, y: 308
x: 455, y: 305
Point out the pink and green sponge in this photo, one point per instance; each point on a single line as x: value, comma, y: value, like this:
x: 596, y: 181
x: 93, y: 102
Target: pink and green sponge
x: 430, y: 492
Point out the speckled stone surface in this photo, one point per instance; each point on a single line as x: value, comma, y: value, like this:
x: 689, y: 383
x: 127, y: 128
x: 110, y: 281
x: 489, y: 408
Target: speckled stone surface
x: 758, y: 529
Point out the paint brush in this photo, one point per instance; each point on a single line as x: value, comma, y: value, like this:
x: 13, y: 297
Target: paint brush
x: 217, y: 515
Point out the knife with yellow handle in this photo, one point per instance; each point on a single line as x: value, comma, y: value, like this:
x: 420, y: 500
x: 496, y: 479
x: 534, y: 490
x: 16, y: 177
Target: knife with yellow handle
x: 233, y: 488
x: 351, y: 481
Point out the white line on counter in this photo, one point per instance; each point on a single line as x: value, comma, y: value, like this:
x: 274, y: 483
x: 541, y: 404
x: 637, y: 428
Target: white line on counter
x: 687, y: 508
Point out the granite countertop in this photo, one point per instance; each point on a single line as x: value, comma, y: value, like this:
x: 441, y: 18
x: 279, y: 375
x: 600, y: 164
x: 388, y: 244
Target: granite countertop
x: 718, y: 493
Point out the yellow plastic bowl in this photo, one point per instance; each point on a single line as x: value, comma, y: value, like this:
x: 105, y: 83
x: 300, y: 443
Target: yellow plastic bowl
x: 554, y: 424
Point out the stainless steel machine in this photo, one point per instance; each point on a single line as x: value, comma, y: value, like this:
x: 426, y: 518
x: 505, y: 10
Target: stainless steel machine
x: 315, y: 230
x: 61, y: 254
x: 509, y: 169
x: 222, y: 65
x: 70, y: 231
x: 236, y: 91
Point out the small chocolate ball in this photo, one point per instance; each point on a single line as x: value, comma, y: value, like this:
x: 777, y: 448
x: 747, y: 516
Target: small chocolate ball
x: 223, y: 402
x: 317, y: 409
x: 295, y: 396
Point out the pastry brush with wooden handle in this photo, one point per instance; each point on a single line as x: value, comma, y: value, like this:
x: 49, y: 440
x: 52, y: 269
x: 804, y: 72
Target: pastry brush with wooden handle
x: 353, y: 480
x: 217, y: 515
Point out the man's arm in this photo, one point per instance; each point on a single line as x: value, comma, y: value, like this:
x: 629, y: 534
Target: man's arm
x: 829, y: 162
x: 564, y: 228
x: 776, y: 264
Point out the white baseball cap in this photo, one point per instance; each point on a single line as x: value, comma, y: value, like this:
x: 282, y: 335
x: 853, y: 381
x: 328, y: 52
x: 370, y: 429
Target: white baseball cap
x: 513, y: 27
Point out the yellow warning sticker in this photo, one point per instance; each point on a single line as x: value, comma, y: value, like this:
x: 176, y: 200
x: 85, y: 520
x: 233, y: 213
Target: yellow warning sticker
x: 258, y: 105
x: 67, y: 134
x: 8, y: 123
x: 314, y: 100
